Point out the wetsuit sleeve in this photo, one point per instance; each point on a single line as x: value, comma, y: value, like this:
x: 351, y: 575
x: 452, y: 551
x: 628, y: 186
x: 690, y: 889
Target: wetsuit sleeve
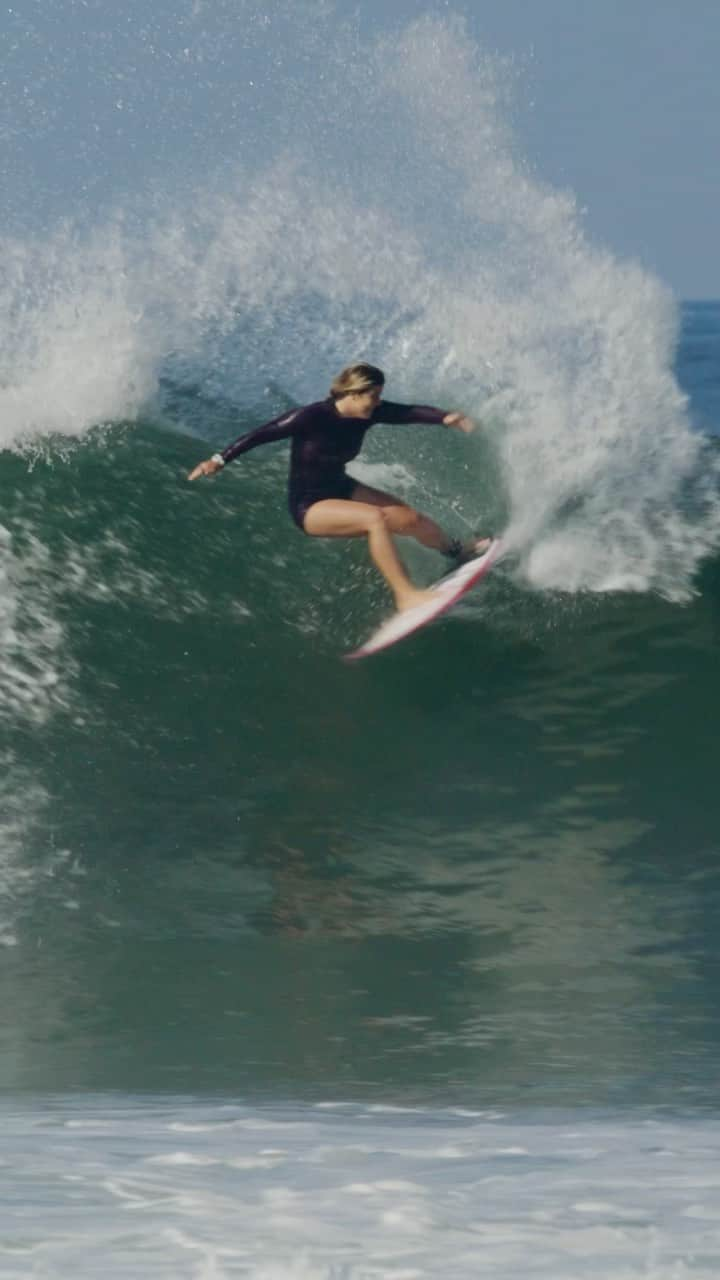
x: 280, y: 428
x: 387, y: 411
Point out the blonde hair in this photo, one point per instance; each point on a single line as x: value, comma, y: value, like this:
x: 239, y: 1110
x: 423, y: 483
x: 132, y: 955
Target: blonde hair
x: 356, y: 377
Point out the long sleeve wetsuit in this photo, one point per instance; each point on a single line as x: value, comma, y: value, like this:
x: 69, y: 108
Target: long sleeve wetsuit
x: 323, y: 441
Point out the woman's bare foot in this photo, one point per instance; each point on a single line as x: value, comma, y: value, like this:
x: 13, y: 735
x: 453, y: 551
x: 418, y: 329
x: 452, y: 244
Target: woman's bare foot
x: 411, y: 599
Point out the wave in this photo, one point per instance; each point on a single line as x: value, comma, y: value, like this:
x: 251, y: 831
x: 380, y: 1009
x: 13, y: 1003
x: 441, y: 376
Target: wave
x: 143, y: 332
x: 202, y: 766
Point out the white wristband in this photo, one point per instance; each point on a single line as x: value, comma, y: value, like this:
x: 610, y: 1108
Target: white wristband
x: 217, y: 457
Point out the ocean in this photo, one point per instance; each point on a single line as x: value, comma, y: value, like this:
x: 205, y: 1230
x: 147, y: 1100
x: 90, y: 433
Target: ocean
x: 396, y: 969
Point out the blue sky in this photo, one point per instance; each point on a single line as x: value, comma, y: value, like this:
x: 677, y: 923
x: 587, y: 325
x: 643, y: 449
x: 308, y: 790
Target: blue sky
x: 618, y: 100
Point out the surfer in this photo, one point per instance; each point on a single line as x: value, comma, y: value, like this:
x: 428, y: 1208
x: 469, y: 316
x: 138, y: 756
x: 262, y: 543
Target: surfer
x: 325, y: 502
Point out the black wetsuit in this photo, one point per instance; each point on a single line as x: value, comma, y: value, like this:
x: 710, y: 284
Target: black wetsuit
x: 322, y: 443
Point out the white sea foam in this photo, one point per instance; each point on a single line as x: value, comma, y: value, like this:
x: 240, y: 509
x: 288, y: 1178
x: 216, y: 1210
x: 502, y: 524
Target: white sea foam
x: 601, y: 1197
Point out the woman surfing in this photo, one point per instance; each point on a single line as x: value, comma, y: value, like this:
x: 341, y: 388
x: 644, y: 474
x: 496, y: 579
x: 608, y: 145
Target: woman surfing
x: 325, y: 502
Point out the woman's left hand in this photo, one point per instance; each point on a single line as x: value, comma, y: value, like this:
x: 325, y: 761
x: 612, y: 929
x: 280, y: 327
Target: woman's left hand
x: 460, y: 421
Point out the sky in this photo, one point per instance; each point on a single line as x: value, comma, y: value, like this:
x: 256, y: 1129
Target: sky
x: 620, y: 100
x: 617, y: 100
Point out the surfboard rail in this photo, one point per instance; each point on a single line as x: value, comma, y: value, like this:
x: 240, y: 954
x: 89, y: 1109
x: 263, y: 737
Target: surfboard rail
x: 449, y: 589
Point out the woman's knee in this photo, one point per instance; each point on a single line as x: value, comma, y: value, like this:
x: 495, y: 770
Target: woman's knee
x: 404, y: 520
x: 375, y: 518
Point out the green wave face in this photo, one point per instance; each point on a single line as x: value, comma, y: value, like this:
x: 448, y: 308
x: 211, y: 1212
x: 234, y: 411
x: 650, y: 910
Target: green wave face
x: 226, y: 855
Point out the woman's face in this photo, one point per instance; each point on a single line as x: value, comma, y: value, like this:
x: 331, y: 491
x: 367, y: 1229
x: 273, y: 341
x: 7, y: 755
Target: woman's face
x: 362, y: 403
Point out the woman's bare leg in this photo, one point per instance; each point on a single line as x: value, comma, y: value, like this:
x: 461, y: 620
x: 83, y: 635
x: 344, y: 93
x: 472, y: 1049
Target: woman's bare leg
x: 403, y: 519
x: 406, y: 521
x: 348, y: 518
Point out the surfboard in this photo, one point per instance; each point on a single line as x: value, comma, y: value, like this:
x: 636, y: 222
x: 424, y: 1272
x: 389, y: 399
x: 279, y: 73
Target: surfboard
x: 448, y: 591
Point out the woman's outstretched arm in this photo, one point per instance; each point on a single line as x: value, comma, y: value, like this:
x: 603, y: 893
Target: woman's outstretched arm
x: 277, y: 429
x: 389, y: 411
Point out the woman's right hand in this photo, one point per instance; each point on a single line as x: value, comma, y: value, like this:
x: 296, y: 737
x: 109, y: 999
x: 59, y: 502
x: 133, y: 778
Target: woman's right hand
x: 459, y: 420
x: 206, y: 468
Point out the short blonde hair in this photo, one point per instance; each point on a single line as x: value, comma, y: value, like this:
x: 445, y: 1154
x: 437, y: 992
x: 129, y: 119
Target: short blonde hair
x: 356, y: 377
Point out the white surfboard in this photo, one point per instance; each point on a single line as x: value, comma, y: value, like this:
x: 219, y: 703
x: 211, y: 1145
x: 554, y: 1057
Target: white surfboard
x: 447, y: 591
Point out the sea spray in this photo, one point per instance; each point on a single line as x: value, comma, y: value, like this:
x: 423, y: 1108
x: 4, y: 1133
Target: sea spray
x: 389, y: 215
